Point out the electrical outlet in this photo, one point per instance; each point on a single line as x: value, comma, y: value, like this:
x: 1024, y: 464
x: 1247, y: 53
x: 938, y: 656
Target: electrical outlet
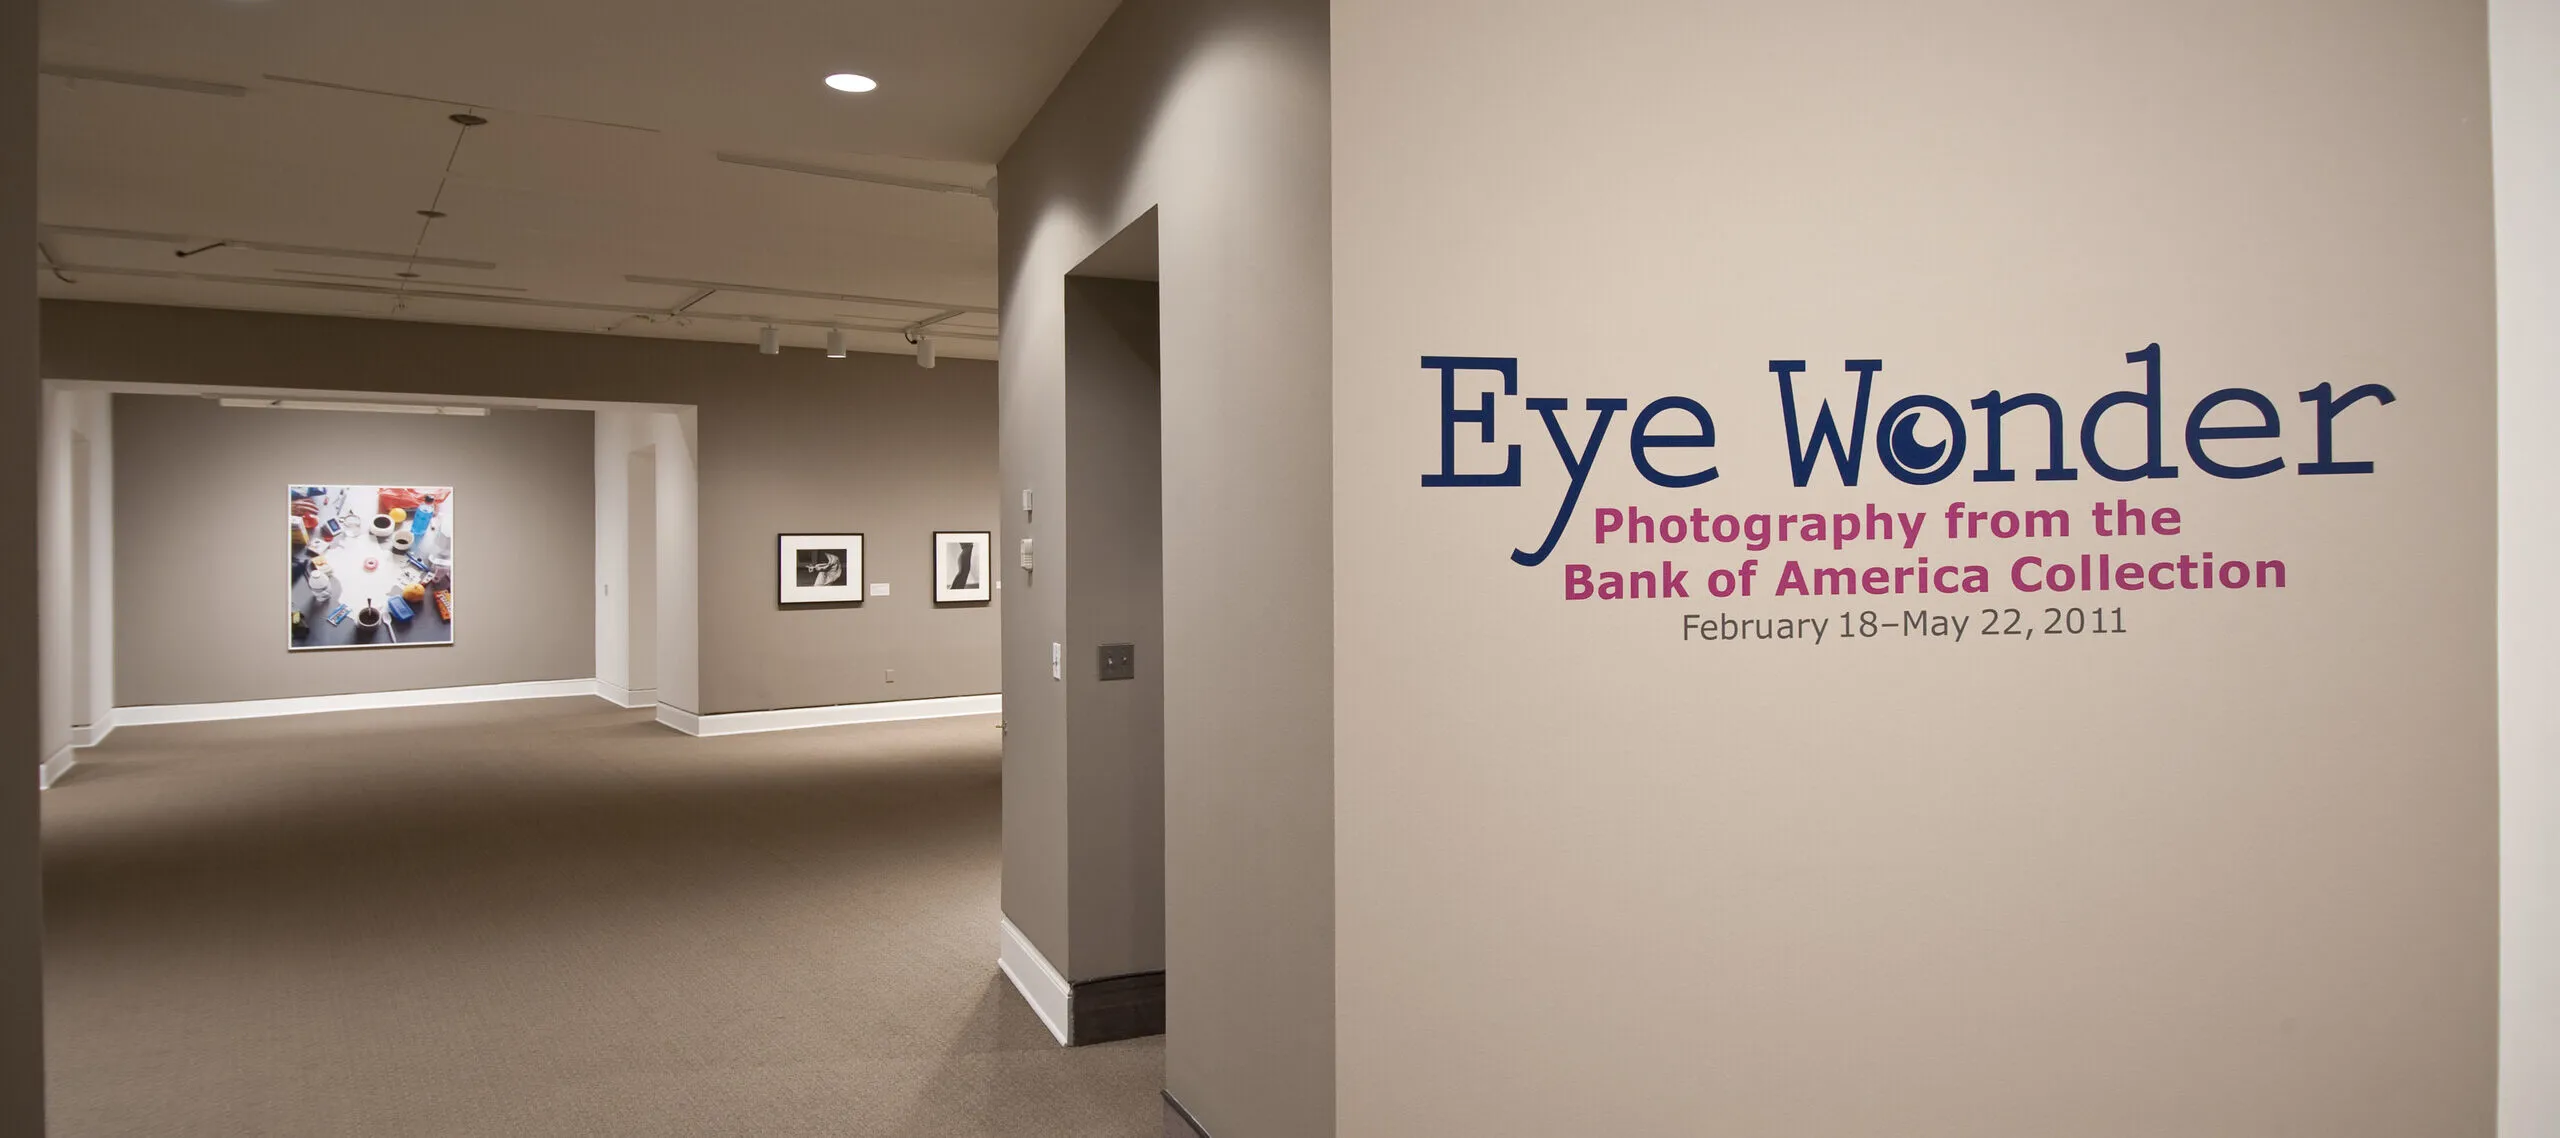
x: 1118, y: 662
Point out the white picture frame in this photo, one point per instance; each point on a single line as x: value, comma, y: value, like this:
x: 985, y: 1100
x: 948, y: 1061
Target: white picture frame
x: 358, y: 554
x: 818, y: 569
x: 962, y: 569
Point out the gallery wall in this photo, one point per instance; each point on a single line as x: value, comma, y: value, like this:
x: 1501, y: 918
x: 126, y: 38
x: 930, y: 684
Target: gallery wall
x: 2524, y: 65
x: 200, y: 553
x: 1213, y: 110
x: 22, y: 409
x: 789, y: 443
x: 877, y: 447
x: 2231, y: 870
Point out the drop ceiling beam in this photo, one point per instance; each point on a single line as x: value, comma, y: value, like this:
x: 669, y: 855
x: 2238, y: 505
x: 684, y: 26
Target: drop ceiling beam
x: 891, y: 180
x: 847, y: 325
x: 806, y: 294
x: 413, y: 293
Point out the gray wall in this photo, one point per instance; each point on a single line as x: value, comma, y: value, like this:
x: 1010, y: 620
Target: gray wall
x: 21, y: 404
x: 200, y: 575
x: 1216, y: 110
x: 1115, y: 582
x: 794, y: 442
x: 892, y: 452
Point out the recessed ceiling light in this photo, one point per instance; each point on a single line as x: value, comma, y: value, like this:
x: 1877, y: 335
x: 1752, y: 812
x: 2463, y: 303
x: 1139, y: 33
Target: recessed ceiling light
x: 851, y: 83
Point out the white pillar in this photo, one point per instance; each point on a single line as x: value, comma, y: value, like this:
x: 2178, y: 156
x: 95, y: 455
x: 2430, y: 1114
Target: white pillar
x: 679, y: 632
x: 94, y: 589
x: 614, y: 430
x: 627, y: 526
x: 2524, y: 66
x: 56, y: 565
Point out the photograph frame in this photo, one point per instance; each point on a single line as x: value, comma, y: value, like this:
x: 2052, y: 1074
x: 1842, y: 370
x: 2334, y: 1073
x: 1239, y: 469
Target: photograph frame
x: 945, y: 592
x: 328, y: 618
x: 790, y: 573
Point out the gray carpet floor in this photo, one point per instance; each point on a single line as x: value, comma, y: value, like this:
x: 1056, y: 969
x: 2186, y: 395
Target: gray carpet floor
x: 546, y: 918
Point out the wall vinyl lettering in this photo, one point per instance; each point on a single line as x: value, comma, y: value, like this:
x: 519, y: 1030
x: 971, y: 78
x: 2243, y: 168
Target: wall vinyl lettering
x: 1833, y: 433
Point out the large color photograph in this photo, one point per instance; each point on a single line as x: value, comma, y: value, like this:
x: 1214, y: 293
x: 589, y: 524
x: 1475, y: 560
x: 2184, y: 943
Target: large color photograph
x: 372, y: 566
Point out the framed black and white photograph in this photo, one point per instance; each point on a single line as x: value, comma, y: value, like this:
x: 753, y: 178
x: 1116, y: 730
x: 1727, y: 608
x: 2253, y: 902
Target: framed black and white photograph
x: 961, y: 574
x: 819, y: 568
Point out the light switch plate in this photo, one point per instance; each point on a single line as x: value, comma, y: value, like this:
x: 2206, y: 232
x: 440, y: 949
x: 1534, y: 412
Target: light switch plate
x: 879, y: 590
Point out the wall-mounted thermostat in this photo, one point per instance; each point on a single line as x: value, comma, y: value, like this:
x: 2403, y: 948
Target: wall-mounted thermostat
x: 879, y: 590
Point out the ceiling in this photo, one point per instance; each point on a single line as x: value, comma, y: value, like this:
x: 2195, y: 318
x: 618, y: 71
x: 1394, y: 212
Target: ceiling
x: 306, y: 136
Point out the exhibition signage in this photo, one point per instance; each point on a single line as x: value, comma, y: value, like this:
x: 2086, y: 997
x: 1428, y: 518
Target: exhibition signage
x: 1948, y: 547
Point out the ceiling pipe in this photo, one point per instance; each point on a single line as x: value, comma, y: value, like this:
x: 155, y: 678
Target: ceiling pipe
x: 260, y: 246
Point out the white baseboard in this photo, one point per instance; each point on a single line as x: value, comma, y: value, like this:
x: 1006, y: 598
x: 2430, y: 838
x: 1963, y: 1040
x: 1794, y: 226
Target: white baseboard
x: 797, y: 718
x: 736, y: 723
x: 680, y: 719
x: 1048, y: 992
x: 358, y: 701
x: 621, y: 696
x: 56, y: 766
x: 93, y: 734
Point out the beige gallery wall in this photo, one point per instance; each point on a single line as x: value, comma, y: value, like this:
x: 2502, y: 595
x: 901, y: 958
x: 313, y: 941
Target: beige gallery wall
x: 1211, y: 113
x: 2232, y: 871
x: 200, y: 489
x: 794, y: 443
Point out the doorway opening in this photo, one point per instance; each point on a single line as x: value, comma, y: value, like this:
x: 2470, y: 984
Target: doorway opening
x: 1115, y: 627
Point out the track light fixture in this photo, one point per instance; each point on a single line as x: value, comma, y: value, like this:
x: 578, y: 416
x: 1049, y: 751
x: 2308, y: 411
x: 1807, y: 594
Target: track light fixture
x: 924, y: 349
x: 835, y: 343
x: 769, y: 341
